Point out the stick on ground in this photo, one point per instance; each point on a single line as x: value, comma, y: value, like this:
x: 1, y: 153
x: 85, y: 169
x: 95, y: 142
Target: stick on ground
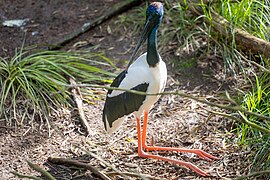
x: 40, y: 170
x: 23, y: 176
x: 69, y: 162
x: 116, y: 171
x: 77, y: 98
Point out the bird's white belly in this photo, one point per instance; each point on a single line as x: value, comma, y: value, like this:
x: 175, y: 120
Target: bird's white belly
x: 139, y: 73
x: 157, y: 81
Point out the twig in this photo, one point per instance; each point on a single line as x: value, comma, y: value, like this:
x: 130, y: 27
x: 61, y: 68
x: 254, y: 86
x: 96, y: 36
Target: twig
x: 243, y: 120
x: 253, y: 174
x: 76, y: 163
x: 106, y: 163
x: 40, y: 170
x: 77, y: 97
x: 19, y: 175
x: 232, y: 108
x: 253, y: 63
x: 136, y: 175
x: 112, y: 11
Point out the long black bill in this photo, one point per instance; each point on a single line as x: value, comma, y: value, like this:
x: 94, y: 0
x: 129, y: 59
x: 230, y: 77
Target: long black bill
x: 148, y: 27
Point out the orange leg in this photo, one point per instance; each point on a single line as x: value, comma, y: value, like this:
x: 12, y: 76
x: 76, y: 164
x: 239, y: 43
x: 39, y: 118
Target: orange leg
x: 199, y: 152
x: 142, y: 144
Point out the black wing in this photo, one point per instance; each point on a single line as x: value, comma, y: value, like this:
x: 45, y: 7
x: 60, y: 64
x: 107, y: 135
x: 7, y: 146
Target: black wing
x: 124, y: 103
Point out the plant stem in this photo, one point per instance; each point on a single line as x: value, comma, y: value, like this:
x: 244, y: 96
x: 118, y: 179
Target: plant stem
x: 42, y: 171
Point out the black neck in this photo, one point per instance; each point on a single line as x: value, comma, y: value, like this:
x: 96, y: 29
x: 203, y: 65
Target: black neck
x: 152, y: 53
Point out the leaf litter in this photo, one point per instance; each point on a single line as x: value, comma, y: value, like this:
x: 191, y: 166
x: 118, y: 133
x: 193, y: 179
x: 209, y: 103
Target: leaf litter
x: 174, y: 122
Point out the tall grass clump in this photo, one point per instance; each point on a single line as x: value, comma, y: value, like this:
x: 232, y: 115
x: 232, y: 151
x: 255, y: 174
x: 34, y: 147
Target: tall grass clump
x: 32, y: 81
x: 180, y: 25
x: 252, y: 16
x: 257, y: 99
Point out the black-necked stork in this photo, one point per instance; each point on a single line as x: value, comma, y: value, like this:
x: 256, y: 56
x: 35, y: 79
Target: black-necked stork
x: 148, y: 73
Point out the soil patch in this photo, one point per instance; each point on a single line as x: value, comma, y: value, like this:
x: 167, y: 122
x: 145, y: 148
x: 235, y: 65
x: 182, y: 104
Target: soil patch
x: 175, y: 121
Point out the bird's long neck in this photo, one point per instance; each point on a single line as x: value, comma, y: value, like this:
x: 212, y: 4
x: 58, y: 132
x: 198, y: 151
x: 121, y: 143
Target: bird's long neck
x: 152, y: 53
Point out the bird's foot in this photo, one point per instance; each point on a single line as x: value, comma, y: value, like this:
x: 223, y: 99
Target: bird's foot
x: 174, y: 161
x: 202, y: 154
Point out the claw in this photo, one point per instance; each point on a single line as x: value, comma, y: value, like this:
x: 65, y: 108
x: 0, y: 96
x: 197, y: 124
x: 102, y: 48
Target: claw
x: 203, y: 154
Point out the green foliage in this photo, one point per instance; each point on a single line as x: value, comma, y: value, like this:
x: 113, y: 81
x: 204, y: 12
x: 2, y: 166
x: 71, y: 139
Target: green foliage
x: 257, y: 100
x: 186, y: 63
x: 261, y: 160
x: 37, y: 78
x: 252, y: 16
x: 179, y: 25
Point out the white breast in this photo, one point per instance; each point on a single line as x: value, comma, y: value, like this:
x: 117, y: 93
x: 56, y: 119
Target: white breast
x: 138, y: 73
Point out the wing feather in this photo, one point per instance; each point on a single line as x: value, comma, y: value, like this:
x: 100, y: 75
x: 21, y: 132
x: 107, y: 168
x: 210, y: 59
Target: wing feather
x: 117, y: 107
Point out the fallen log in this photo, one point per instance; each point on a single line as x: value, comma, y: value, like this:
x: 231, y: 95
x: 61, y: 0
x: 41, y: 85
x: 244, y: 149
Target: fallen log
x: 244, y: 40
x: 76, y: 163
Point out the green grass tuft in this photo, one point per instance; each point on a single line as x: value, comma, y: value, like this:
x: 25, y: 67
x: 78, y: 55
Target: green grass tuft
x: 36, y: 78
x: 252, y: 16
x: 257, y: 100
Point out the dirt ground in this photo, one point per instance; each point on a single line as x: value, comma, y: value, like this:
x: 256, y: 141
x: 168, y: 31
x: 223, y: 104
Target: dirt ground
x: 175, y: 121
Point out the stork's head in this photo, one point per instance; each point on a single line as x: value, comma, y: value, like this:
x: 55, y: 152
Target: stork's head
x: 154, y: 14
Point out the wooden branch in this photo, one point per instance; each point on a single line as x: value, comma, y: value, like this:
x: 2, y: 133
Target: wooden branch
x: 227, y: 107
x: 116, y: 171
x: 116, y: 9
x: 145, y: 176
x: 252, y: 124
x: 106, y: 163
x: 242, y: 119
x: 22, y: 176
x: 243, y: 39
x: 40, y: 170
x: 253, y: 63
x: 69, y: 162
x: 77, y: 98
